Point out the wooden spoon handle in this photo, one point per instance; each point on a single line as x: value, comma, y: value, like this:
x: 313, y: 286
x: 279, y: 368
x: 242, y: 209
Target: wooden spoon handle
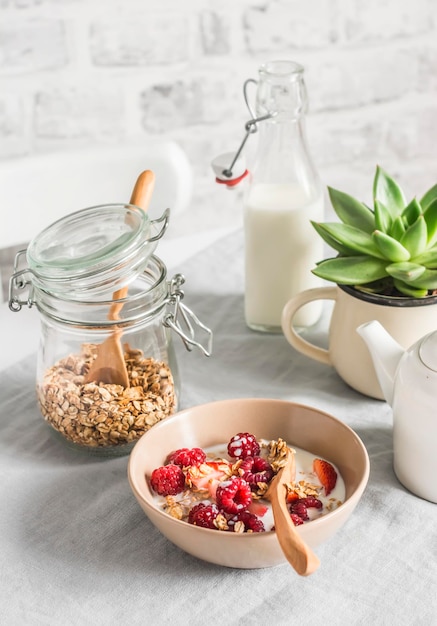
x: 298, y: 554
x: 143, y: 190
x: 141, y: 196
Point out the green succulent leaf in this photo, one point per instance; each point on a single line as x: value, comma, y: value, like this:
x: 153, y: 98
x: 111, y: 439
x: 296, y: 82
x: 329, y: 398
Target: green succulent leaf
x: 383, y: 219
x: 411, y: 212
x: 415, y: 238
x: 427, y: 280
x: 331, y: 241
x: 405, y: 270
x: 351, y: 211
x: 428, y: 198
x: 352, y: 238
x: 397, y: 228
x: 407, y: 290
x: 427, y: 258
x: 351, y: 270
x: 430, y: 216
x: 387, y: 191
x: 390, y: 246
x: 392, y: 250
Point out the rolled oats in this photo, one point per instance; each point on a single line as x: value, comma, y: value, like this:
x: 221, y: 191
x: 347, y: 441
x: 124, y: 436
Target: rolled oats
x: 101, y: 414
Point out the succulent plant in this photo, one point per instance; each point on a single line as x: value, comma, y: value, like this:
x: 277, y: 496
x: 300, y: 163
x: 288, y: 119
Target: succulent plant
x: 390, y: 249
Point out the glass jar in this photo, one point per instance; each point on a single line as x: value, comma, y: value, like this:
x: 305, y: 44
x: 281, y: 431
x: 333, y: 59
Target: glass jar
x: 73, y: 273
x: 284, y: 194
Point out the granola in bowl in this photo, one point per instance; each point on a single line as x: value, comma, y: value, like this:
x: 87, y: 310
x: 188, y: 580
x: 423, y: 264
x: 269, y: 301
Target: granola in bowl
x: 223, y: 487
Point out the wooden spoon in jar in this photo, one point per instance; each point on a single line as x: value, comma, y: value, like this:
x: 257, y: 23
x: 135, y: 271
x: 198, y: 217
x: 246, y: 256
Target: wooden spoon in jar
x: 298, y: 554
x: 109, y: 365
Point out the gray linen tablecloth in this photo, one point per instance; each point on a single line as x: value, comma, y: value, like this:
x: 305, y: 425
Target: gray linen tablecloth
x: 77, y: 549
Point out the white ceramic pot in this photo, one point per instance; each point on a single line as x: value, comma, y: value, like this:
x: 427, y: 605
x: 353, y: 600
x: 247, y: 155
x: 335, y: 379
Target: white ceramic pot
x: 406, y: 319
x: 408, y: 379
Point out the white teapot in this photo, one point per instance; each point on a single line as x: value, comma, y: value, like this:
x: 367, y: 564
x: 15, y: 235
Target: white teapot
x: 408, y: 379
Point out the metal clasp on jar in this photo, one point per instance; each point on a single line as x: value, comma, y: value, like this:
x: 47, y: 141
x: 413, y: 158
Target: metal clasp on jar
x: 18, y: 283
x: 182, y: 314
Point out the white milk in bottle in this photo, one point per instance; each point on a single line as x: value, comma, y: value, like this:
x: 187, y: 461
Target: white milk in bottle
x: 281, y: 249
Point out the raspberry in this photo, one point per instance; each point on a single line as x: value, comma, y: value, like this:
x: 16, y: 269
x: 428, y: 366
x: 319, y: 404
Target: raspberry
x: 311, y: 502
x: 255, y: 469
x: 185, y: 457
x: 299, y: 508
x: 233, y: 496
x: 168, y: 480
x: 297, y: 521
x: 252, y: 523
x: 203, y: 515
x: 242, y: 445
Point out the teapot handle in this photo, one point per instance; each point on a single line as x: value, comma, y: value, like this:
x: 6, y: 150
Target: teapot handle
x: 302, y: 345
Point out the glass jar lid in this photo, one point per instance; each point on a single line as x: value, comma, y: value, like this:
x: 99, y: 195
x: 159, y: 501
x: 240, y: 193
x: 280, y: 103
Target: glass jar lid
x: 98, y: 248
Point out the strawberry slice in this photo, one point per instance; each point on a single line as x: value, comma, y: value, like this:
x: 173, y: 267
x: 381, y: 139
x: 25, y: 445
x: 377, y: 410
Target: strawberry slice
x: 208, y: 476
x: 292, y: 496
x: 257, y: 508
x: 326, y: 474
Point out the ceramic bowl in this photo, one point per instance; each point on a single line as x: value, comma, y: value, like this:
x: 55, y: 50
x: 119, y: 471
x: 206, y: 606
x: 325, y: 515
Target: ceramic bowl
x: 215, y: 423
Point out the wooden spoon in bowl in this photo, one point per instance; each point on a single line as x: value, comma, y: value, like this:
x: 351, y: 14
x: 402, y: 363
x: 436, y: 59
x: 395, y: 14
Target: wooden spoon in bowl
x: 298, y: 554
x: 109, y: 365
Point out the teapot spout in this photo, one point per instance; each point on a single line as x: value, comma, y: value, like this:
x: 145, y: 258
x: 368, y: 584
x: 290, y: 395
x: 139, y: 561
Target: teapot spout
x: 385, y: 352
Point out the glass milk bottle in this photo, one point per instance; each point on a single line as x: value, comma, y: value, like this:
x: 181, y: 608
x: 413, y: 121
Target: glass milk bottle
x: 284, y: 194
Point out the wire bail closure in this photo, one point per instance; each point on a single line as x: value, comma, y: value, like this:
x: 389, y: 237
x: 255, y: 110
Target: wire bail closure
x: 18, y: 283
x: 190, y: 320
x: 226, y: 176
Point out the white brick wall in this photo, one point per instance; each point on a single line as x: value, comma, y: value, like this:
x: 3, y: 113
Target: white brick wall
x: 85, y: 72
